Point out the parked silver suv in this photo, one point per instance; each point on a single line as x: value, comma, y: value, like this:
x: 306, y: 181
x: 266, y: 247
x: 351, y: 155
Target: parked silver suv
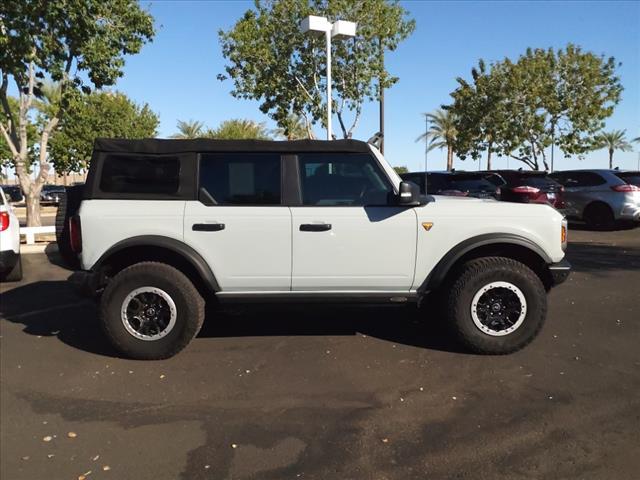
x: 601, y: 197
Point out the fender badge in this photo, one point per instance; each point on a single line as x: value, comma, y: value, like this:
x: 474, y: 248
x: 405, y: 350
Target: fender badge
x: 427, y: 225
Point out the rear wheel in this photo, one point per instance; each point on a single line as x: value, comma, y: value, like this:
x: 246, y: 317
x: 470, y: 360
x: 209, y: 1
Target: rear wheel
x: 496, y: 305
x: 151, y: 311
x: 599, y: 215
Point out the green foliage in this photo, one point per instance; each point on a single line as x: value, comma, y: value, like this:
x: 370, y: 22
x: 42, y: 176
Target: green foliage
x: 293, y: 127
x: 547, y: 96
x: 98, y: 114
x: 190, y: 129
x: 234, y: 129
x: 77, y: 44
x: 401, y: 169
x: 270, y: 60
x: 239, y: 129
x: 442, y: 133
x: 612, y: 141
x: 92, y: 33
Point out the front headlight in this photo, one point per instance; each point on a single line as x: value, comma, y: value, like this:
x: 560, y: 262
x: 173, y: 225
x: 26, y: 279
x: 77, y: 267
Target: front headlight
x: 563, y: 234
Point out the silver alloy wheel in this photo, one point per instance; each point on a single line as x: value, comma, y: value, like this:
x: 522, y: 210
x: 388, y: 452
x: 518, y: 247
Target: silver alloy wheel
x: 498, y: 308
x: 148, y: 313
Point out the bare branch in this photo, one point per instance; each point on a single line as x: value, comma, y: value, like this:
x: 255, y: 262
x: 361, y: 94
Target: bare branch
x: 14, y: 150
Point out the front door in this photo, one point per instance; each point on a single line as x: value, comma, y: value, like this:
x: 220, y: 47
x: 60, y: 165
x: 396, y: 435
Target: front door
x: 239, y: 226
x: 346, y: 235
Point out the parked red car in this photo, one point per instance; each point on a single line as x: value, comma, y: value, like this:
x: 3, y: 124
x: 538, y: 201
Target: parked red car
x: 530, y: 187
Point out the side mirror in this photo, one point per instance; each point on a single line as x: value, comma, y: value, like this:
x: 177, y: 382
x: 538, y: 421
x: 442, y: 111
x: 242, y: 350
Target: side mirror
x: 409, y: 194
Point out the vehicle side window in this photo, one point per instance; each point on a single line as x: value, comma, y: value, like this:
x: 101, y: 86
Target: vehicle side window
x: 342, y: 179
x: 140, y: 174
x: 579, y: 179
x: 242, y: 178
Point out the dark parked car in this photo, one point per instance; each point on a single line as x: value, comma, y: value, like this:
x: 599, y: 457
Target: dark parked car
x: 601, y: 197
x: 51, y: 194
x: 459, y: 184
x: 530, y: 187
x: 13, y: 193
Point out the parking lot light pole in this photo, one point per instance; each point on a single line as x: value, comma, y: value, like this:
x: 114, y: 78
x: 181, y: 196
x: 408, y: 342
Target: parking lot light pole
x: 339, y: 30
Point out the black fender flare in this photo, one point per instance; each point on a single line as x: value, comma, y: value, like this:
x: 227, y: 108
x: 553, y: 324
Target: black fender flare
x: 442, y: 268
x: 176, y: 246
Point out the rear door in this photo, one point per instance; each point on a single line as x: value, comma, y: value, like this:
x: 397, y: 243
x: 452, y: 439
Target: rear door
x: 239, y: 225
x: 346, y: 234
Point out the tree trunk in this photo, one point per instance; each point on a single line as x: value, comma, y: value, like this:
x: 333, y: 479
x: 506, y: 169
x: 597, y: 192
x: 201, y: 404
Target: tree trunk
x: 449, y: 158
x: 611, y: 159
x: 32, y: 200
x: 489, y: 159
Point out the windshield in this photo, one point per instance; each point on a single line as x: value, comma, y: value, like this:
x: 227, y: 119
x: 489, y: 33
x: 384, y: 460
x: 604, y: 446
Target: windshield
x: 466, y: 182
x: 632, y: 178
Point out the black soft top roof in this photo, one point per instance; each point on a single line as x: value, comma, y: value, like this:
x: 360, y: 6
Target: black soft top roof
x: 163, y: 146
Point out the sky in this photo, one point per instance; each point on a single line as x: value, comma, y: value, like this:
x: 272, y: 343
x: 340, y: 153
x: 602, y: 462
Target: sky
x: 176, y: 73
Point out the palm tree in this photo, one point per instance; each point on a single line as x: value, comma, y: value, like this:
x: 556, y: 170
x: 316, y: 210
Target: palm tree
x: 292, y: 128
x: 189, y: 129
x: 240, y: 129
x: 612, y: 141
x: 442, y: 133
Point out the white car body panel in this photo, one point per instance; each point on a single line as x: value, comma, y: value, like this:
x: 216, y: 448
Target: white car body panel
x: 107, y: 222
x: 367, y: 248
x: 253, y: 252
x: 456, y: 219
x: 10, y: 238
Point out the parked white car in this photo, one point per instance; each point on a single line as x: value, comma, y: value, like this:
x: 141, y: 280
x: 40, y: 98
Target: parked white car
x: 10, y: 260
x: 165, y: 224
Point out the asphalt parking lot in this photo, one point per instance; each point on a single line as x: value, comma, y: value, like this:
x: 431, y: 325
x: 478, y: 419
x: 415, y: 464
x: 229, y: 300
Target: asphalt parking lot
x: 328, y: 392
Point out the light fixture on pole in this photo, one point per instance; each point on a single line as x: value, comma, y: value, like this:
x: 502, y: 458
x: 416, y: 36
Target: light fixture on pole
x: 339, y: 30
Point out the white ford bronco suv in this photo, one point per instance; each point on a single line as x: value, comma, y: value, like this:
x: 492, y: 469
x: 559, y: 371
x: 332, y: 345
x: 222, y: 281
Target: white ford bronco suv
x: 165, y: 225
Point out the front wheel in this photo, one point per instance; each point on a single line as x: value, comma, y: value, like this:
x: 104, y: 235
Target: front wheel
x: 496, y: 305
x: 151, y: 311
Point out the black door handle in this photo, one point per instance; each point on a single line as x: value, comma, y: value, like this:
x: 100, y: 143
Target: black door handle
x: 315, y: 227
x: 207, y: 227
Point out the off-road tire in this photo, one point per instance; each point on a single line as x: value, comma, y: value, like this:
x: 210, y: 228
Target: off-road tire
x: 67, y: 208
x: 189, y: 307
x: 470, y: 279
x: 599, y: 215
x: 15, y: 274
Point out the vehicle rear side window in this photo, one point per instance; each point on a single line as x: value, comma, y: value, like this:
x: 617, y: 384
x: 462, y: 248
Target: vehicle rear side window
x: 342, y: 180
x: 140, y: 174
x: 632, y: 178
x: 242, y: 178
x: 540, y: 181
x: 579, y: 179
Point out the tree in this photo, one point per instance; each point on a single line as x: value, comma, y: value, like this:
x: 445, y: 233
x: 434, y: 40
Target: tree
x: 545, y: 98
x: 270, y: 60
x: 612, y: 141
x: 239, y: 129
x: 401, y: 169
x: 442, y: 133
x: 294, y: 128
x: 47, y: 38
x: 478, y: 110
x: 98, y: 114
x: 190, y: 129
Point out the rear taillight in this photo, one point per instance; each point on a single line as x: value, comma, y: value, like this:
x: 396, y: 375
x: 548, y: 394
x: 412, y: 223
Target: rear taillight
x: 4, y: 221
x: 625, y: 188
x: 525, y: 189
x: 75, y: 234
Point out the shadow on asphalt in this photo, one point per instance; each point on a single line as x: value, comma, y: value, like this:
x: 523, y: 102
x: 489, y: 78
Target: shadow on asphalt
x: 51, y: 308
x: 598, y: 257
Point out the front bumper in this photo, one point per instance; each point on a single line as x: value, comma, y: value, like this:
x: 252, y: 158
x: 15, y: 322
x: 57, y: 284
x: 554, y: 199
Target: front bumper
x: 560, y: 271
